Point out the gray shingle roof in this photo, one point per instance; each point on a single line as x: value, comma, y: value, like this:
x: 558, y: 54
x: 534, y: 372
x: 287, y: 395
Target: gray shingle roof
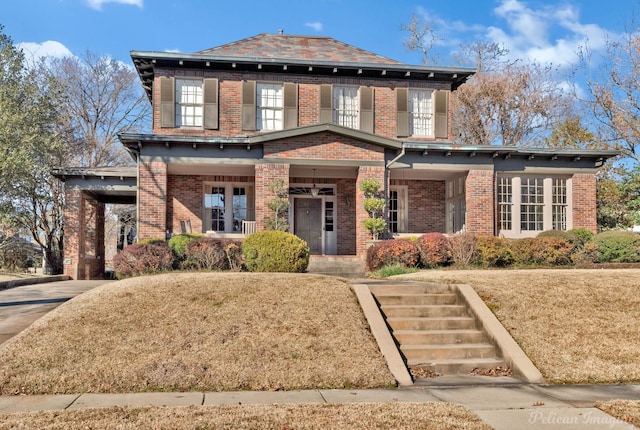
x: 289, y: 47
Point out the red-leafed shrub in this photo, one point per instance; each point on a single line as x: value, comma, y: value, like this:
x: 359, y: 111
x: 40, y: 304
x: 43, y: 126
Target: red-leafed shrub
x: 207, y: 253
x: 547, y: 251
x: 492, y: 251
x: 395, y: 251
x: 434, y: 249
x: 143, y: 259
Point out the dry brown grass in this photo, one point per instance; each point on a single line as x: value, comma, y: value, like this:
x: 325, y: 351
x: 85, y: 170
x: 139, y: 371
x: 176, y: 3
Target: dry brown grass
x: 429, y: 416
x: 577, y: 325
x: 625, y: 410
x: 198, y: 332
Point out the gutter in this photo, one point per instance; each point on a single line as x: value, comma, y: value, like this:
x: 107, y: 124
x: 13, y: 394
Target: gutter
x: 397, y: 157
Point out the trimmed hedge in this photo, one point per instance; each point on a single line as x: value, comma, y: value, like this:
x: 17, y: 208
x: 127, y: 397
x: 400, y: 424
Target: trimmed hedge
x: 617, y: 247
x: 143, y: 259
x: 541, y: 251
x: 275, y: 251
x: 404, y: 252
x: 435, y: 249
x: 492, y: 251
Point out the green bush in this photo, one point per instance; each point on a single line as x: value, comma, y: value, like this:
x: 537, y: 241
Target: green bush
x: 151, y: 241
x: 492, y: 251
x: 208, y: 253
x: 143, y: 259
x: 545, y: 251
x: 396, y: 269
x: 391, y: 252
x: 581, y: 236
x: 435, y: 249
x: 178, y: 244
x: 275, y: 251
x: 617, y: 247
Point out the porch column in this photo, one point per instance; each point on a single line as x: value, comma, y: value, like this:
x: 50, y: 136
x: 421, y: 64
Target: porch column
x: 362, y: 234
x: 479, y: 202
x: 583, y: 201
x: 265, y: 174
x: 84, y: 236
x: 152, y: 200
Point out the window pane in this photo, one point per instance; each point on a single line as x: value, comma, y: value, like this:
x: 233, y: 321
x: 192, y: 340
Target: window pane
x: 420, y: 113
x: 215, y: 202
x: 189, y: 103
x: 269, y: 106
x: 345, y: 105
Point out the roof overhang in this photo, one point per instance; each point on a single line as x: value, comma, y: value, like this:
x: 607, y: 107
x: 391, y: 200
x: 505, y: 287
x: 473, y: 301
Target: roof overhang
x: 147, y: 61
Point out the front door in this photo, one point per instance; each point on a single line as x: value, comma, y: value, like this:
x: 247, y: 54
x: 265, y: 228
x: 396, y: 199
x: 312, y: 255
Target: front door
x: 308, y: 222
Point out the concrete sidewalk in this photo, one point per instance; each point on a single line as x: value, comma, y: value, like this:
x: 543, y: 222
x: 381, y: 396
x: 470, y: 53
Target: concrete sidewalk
x: 505, y: 406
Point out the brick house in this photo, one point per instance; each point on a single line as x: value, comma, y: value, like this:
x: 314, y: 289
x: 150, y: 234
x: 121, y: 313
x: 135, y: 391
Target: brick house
x: 322, y: 116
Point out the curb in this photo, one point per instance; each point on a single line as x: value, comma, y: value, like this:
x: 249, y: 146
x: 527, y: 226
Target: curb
x: 4, y: 285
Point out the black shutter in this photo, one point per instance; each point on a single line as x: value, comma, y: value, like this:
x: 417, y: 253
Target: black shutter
x: 210, y: 89
x: 249, y: 105
x: 167, y: 103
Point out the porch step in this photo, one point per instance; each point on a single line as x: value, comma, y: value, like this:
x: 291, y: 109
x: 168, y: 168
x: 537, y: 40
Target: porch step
x: 337, y: 265
x: 433, y: 328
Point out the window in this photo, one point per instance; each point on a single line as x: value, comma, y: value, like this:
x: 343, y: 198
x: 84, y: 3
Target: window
x: 559, y: 205
x: 532, y: 204
x: 397, y: 209
x: 227, y: 205
x: 505, y: 203
x: 269, y: 104
x: 420, y: 113
x: 455, y: 204
x: 345, y: 106
x: 189, y: 103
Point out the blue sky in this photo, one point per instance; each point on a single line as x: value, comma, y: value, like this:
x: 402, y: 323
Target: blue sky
x: 546, y: 30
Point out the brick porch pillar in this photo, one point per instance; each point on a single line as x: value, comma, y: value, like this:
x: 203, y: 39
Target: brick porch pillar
x: 152, y: 200
x: 265, y: 174
x: 583, y: 201
x: 73, y: 213
x: 479, y: 202
x: 362, y: 234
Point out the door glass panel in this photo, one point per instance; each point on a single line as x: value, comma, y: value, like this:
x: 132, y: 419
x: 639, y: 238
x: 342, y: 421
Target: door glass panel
x: 215, y: 202
x: 328, y: 216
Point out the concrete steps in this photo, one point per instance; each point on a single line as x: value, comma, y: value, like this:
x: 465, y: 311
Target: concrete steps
x: 433, y: 328
x: 337, y: 265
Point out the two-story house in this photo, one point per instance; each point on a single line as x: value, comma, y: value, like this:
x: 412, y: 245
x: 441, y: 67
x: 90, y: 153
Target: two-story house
x: 322, y: 116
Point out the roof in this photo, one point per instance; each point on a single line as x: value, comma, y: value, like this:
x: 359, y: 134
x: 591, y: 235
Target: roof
x: 289, y: 47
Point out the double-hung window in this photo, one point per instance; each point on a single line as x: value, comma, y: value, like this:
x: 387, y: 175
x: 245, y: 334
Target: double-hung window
x: 189, y: 103
x: 269, y: 106
x: 345, y: 106
x: 227, y: 205
x: 559, y: 204
x: 421, y: 112
x: 505, y: 202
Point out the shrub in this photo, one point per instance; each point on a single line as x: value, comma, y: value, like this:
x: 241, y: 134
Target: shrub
x: 581, y: 236
x: 493, y: 251
x: 396, y: 269
x: 143, y: 259
x: 434, y: 249
x: 617, y: 247
x: 178, y: 244
x: 462, y: 247
x: 394, y: 251
x: 151, y: 241
x: 207, y: 253
x: 275, y: 251
x: 547, y: 251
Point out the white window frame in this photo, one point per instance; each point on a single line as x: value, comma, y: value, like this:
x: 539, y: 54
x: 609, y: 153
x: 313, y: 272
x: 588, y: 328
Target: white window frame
x: 421, y: 118
x: 346, y: 106
x: 232, y: 224
x: 269, y: 106
x: 189, y: 99
x: 401, y: 210
x: 547, y: 205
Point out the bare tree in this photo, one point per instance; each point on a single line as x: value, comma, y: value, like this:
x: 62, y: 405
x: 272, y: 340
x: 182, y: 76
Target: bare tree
x: 615, y: 93
x: 103, y: 99
x: 422, y: 37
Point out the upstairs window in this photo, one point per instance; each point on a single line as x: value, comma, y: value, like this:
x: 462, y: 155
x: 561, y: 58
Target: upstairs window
x: 420, y: 112
x: 269, y: 106
x: 189, y: 103
x: 345, y: 106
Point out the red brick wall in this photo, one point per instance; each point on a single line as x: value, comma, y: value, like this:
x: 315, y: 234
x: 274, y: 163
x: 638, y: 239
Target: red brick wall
x: 73, y: 210
x: 152, y: 203
x: 479, y: 202
x: 230, y: 99
x: 265, y: 174
x: 426, y: 205
x: 324, y: 146
x: 346, y: 216
x: 584, y: 201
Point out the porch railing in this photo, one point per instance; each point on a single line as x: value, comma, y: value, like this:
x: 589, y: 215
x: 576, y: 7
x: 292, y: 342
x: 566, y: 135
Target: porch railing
x: 248, y: 227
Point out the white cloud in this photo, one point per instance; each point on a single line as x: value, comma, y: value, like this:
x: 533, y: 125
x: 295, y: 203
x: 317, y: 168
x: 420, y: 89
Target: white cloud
x: 97, y: 4
x: 317, y: 26
x: 33, y: 52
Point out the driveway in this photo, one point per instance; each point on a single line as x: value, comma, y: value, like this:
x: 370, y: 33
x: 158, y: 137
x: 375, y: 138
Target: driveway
x: 21, y: 306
